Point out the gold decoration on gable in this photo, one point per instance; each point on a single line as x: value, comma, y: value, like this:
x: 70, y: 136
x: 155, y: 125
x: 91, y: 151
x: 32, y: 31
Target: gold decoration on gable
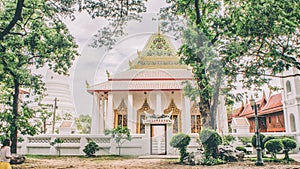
x: 141, y: 115
x: 159, y: 52
x: 172, y: 107
x: 195, y: 109
x: 122, y: 108
x: 145, y: 107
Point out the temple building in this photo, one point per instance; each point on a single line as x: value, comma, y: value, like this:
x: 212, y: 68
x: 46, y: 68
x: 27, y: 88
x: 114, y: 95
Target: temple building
x: 270, y: 116
x: 149, y: 99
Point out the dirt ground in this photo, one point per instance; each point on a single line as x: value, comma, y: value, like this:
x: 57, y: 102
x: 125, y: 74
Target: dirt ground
x: 133, y: 163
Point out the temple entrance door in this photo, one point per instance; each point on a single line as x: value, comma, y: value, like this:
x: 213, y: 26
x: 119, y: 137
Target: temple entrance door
x: 158, y: 144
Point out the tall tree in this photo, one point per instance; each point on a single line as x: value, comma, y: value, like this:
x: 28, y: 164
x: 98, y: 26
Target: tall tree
x: 254, y: 39
x: 39, y: 38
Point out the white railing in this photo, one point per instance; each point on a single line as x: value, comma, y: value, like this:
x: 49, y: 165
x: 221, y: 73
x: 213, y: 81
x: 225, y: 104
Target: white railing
x: 75, y: 143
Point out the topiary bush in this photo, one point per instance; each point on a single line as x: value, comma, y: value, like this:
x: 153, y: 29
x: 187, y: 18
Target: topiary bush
x: 267, y: 139
x: 90, y: 149
x: 253, y: 141
x: 288, y: 144
x: 210, y: 140
x: 274, y: 146
x: 181, y: 141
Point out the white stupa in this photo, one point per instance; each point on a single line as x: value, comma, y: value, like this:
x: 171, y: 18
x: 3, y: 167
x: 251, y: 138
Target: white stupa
x: 58, y: 88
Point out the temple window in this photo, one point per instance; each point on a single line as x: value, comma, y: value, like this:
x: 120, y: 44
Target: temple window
x: 121, y: 115
x: 292, y: 123
x: 288, y: 86
x: 195, y: 119
x: 175, y: 116
x: 141, y: 115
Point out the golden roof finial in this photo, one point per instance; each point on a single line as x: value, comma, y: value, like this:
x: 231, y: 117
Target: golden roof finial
x: 107, y: 73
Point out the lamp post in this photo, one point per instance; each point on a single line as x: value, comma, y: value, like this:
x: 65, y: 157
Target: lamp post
x: 54, y: 115
x: 259, y: 160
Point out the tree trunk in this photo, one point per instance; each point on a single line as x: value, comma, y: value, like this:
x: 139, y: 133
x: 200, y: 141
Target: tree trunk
x: 214, y: 108
x: 44, y: 123
x: 14, y: 128
x: 204, y: 110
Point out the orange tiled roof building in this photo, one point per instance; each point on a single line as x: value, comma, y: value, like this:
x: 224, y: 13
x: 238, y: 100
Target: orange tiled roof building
x: 270, y: 114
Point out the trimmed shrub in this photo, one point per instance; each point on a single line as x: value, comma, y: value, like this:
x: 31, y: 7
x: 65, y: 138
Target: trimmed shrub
x: 181, y: 141
x: 241, y: 148
x: 266, y: 139
x: 274, y: 146
x: 288, y: 144
x: 91, y: 148
x: 253, y: 141
x: 210, y: 140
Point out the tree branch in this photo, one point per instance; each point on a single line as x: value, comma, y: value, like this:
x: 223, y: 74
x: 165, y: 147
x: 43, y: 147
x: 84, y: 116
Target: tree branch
x: 16, y: 18
x: 198, y: 17
x: 276, y: 76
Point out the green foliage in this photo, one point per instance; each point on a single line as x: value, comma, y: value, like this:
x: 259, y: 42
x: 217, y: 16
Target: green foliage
x: 288, y: 144
x: 276, y: 160
x: 57, y: 142
x: 274, y: 146
x: 91, y: 148
x: 267, y: 139
x: 44, y: 115
x: 261, y: 138
x: 118, y: 13
x: 210, y: 140
x: 212, y: 161
x: 245, y: 140
x: 240, y: 30
x: 227, y: 139
x: 241, y: 148
x: 120, y: 135
x: 83, y: 123
x: 38, y: 38
x: 181, y: 141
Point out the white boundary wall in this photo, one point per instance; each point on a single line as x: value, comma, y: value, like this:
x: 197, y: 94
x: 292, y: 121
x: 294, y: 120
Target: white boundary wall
x: 74, y: 144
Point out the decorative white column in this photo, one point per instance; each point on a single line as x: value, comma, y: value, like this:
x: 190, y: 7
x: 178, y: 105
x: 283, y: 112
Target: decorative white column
x: 110, y: 112
x: 95, y: 114
x: 101, y: 115
x: 158, y: 109
x: 131, y: 119
x: 186, y: 115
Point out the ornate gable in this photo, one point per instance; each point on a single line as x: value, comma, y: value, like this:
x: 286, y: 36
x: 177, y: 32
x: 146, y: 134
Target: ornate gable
x: 122, y: 108
x: 159, y: 52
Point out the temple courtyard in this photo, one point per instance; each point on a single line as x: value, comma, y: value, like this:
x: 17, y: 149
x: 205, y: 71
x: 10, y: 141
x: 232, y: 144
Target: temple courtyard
x: 123, y: 162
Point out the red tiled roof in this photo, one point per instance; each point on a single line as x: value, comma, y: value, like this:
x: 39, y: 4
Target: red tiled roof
x: 273, y: 105
x: 247, y: 111
x: 238, y: 111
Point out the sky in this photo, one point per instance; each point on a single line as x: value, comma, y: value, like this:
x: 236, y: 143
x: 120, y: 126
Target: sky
x: 92, y: 63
